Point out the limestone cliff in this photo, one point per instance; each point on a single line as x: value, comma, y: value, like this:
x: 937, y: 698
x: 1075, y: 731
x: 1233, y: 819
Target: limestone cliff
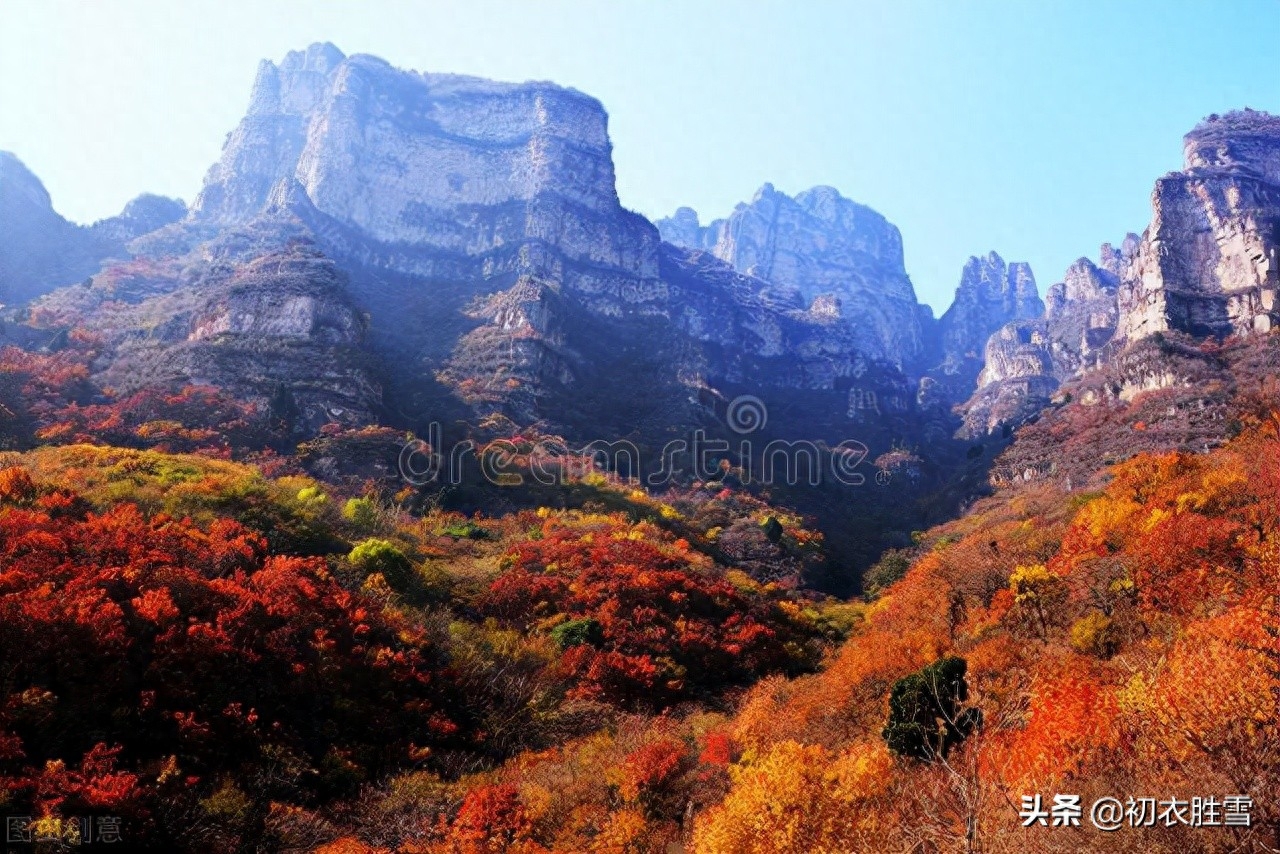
x: 273, y: 326
x: 1026, y: 360
x: 484, y: 237
x: 822, y: 249
x: 1207, y: 264
x: 415, y: 163
x: 991, y: 293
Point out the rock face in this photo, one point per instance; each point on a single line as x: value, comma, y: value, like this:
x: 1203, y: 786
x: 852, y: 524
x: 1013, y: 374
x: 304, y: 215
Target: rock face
x: 1207, y: 264
x: 991, y: 293
x: 483, y: 235
x: 821, y: 249
x: 276, y: 328
x: 1026, y: 360
x: 435, y: 162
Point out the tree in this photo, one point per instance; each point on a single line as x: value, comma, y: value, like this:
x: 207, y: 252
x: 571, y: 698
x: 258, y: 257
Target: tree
x: 1038, y: 593
x: 925, y: 718
x: 798, y: 799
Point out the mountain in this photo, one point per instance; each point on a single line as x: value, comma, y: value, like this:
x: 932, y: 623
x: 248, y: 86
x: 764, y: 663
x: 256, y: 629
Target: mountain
x: 223, y: 604
x: 41, y: 250
x: 479, y: 230
x: 1207, y: 264
x: 991, y: 293
x: 820, y: 249
x: 142, y: 215
x: 384, y: 246
x: 378, y: 246
x: 1025, y: 361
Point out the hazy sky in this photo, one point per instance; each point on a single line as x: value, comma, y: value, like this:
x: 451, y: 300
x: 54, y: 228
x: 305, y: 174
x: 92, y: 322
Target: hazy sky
x: 1032, y: 128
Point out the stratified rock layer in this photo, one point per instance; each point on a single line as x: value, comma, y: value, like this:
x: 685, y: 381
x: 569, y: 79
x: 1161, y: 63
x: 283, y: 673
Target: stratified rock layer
x: 820, y: 250
x: 484, y: 237
x: 1207, y: 265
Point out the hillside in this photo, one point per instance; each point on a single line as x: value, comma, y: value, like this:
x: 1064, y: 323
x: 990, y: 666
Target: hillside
x: 408, y: 493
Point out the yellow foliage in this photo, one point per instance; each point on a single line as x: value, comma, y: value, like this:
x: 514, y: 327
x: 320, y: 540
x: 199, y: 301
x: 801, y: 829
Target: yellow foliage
x: 1219, y: 692
x: 1030, y: 582
x: 798, y: 799
x: 1094, y: 634
x: 1134, y: 696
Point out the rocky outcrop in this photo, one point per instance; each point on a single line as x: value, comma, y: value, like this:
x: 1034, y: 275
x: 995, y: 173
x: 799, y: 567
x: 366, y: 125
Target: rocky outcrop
x: 1207, y: 265
x: 991, y: 293
x: 278, y: 330
x: 819, y: 248
x: 414, y: 164
x: 143, y: 215
x: 484, y: 238
x: 1026, y: 360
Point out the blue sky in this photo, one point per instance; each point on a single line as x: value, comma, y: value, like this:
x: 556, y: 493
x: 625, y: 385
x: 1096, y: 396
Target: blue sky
x: 1033, y: 128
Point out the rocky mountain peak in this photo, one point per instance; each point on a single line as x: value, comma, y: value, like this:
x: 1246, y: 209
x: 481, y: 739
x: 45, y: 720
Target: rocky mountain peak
x: 20, y: 189
x: 40, y: 250
x: 392, y: 156
x: 1207, y: 264
x: 1243, y: 142
x: 1085, y: 281
x: 683, y: 228
x: 816, y: 244
x: 1116, y: 260
x: 141, y: 215
x: 991, y: 293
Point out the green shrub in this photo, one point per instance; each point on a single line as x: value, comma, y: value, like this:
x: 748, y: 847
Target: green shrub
x: 925, y: 718
x: 384, y: 557
x: 891, y: 568
x: 577, y: 633
x: 465, y: 531
x: 361, y: 512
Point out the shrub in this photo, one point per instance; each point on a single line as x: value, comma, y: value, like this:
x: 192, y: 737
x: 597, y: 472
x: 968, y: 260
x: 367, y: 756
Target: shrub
x: 1095, y: 634
x: 361, y: 512
x: 925, y: 718
x: 578, y: 632
x: 386, y: 559
x: 892, y: 567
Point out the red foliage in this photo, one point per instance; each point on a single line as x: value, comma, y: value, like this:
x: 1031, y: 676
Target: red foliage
x: 717, y: 749
x: 173, y: 644
x: 491, y: 819
x: 653, y: 768
x: 668, y: 630
x: 193, y: 418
